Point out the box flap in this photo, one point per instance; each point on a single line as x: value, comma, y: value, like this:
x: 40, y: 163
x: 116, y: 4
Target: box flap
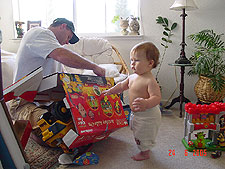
x: 26, y: 87
x: 50, y: 89
x: 72, y: 140
x: 23, y: 130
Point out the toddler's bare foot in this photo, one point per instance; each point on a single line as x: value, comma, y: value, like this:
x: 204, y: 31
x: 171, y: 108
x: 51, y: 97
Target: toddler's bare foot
x: 143, y: 155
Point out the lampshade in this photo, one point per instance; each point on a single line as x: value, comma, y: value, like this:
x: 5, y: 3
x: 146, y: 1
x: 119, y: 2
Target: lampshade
x: 183, y: 4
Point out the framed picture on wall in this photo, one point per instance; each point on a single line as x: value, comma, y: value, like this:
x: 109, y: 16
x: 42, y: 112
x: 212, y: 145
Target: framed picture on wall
x: 31, y: 24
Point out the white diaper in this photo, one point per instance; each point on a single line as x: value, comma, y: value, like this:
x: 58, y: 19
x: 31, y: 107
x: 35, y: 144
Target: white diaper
x: 145, y: 126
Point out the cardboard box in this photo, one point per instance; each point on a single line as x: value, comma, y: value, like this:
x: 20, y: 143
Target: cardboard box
x: 94, y: 116
x: 127, y: 112
x: 26, y: 87
x: 23, y: 130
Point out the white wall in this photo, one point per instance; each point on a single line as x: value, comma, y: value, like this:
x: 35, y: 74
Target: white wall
x: 7, y: 26
x: 210, y: 15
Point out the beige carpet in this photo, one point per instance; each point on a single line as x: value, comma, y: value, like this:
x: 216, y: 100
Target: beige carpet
x: 115, y: 151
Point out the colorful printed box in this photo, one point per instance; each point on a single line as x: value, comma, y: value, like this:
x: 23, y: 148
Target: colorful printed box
x: 93, y: 115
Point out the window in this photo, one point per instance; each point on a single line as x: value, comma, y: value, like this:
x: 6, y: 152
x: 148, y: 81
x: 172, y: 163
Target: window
x: 89, y: 16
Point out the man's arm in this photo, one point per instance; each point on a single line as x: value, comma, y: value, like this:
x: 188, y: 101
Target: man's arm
x: 74, y: 60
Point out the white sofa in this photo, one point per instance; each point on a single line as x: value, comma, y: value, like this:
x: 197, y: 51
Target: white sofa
x: 8, y: 60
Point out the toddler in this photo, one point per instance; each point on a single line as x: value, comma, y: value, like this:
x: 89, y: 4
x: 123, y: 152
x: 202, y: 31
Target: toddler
x: 144, y: 97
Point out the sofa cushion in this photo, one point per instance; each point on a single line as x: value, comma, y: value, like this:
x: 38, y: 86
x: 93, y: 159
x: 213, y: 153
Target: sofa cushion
x: 97, y: 50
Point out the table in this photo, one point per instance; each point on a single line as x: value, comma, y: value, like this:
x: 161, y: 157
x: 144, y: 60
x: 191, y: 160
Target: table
x: 181, y: 98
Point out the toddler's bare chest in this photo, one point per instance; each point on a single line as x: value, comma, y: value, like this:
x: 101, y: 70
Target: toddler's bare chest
x: 138, y: 85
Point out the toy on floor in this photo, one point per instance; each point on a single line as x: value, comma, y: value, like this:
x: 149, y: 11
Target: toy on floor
x: 221, y: 139
x: 216, y: 154
x: 66, y: 159
x: 55, y: 124
x: 208, y: 118
x: 87, y: 158
x: 200, y: 141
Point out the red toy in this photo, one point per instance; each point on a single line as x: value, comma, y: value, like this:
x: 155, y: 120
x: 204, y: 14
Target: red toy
x: 208, y: 118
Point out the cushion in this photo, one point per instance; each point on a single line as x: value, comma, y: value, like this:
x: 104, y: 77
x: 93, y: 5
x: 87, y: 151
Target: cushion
x: 8, y: 62
x: 111, y: 70
x: 97, y: 50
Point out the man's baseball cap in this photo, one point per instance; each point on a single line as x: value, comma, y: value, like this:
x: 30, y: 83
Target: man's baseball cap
x: 70, y: 25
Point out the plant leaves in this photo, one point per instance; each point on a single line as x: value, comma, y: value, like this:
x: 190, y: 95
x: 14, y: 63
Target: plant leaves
x: 167, y: 29
x: 162, y: 44
x: 159, y: 20
x: 166, y: 21
x: 174, y: 25
x: 164, y: 39
x: 165, y: 33
x: 115, y: 18
x: 207, y: 38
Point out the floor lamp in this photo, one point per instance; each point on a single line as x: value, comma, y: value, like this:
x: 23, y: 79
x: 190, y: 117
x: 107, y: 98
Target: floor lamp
x: 182, y: 5
x: 182, y: 61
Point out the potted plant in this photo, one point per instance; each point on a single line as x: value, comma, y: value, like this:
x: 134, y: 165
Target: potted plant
x: 209, y: 64
x: 166, y: 39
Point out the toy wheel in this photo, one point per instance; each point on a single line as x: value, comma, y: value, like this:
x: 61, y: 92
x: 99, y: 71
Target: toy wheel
x: 60, y: 112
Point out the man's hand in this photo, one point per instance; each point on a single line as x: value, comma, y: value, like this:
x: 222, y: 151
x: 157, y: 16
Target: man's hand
x: 139, y: 104
x: 99, y: 71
